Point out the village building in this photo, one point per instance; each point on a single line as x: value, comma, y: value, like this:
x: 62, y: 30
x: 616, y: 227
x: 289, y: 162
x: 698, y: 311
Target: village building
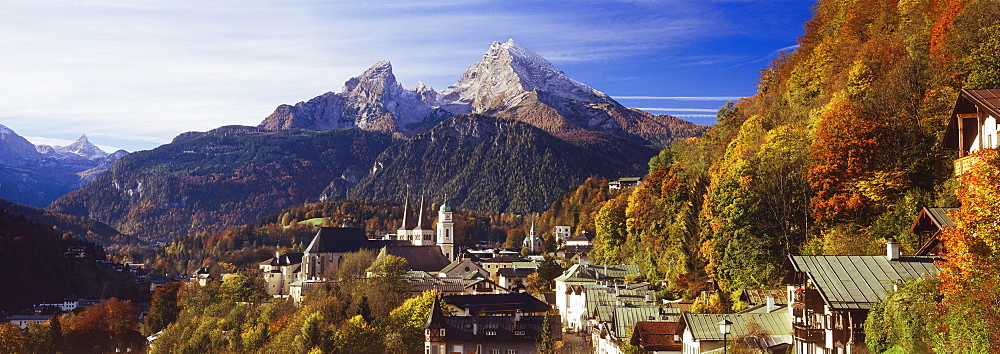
x: 656, y: 337
x: 563, y: 232
x: 533, y: 244
x: 767, y: 328
x: 466, y: 267
x: 618, y: 322
x: 570, y: 297
x: 515, y: 278
x: 500, y: 333
x: 928, y: 226
x: 973, y: 126
x: 496, y: 305
x: 280, y: 272
x: 24, y: 321
x: 452, y: 286
x: 756, y: 297
x: 625, y: 182
x: 830, y: 296
x: 493, y: 265
x: 580, y: 244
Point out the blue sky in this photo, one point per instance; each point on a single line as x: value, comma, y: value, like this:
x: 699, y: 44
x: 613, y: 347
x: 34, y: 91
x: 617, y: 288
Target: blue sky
x: 134, y: 74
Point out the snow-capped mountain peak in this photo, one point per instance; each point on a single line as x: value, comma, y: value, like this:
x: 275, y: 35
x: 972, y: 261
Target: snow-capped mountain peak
x: 506, y: 72
x: 84, y: 148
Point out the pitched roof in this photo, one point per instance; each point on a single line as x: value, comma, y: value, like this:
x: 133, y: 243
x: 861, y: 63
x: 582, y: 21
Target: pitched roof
x: 447, y: 285
x: 502, y: 328
x: 626, y: 317
x: 582, y: 237
x: 655, y: 336
x: 605, y: 296
x: 515, y: 272
x: 435, y: 319
x: 578, y: 273
x: 759, y: 296
x: 856, y: 282
x: 970, y: 101
x: 425, y: 258
x: 493, y: 304
x: 705, y: 327
x: 338, y: 240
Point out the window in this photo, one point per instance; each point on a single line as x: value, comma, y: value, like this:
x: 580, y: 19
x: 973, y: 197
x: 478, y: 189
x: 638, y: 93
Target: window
x: 496, y: 351
x: 518, y: 333
x: 491, y: 333
x: 442, y: 332
x: 511, y: 351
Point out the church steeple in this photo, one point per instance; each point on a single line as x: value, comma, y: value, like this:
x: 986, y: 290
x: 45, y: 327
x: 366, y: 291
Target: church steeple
x: 420, y: 219
x: 446, y: 231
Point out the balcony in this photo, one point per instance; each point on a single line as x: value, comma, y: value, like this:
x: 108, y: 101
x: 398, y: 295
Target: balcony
x: 808, y: 334
x: 965, y: 164
x: 807, y: 299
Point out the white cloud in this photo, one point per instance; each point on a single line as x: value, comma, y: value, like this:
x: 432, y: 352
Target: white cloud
x: 144, y: 71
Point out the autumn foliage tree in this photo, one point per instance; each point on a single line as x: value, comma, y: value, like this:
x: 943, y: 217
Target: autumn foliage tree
x: 970, y: 279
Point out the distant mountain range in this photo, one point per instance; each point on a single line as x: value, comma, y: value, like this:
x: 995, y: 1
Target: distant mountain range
x: 509, y: 82
x: 38, y: 175
x: 512, y: 135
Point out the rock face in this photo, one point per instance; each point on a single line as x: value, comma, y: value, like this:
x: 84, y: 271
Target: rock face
x: 372, y: 101
x: 37, y: 175
x: 507, y: 74
x: 510, y: 81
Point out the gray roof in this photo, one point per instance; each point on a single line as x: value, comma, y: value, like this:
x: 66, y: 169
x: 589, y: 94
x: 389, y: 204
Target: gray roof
x: 940, y: 216
x: 604, y: 296
x: 578, y: 273
x: 705, y: 327
x: 626, y: 317
x: 856, y: 282
x: 425, y: 258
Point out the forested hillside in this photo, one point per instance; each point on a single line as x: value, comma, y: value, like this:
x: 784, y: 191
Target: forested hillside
x: 836, y: 153
x: 228, y: 176
x: 31, y: 256
x: 496, y: 165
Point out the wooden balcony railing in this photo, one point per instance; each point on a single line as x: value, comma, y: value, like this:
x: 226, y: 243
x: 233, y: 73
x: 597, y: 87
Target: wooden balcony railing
x: 965, y: 164
x: 807, y: 334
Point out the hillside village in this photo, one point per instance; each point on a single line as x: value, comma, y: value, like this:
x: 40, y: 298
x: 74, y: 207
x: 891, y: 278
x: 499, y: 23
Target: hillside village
x: 494, y: 301
x: 849, y: 206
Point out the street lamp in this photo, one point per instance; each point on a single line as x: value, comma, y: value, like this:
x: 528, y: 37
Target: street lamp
x: 724, y: 327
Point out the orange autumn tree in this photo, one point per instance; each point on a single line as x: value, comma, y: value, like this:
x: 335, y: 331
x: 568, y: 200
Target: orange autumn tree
x: 971, y: 276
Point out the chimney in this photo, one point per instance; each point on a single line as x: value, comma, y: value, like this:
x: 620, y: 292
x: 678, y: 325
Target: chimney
x: 892, y: 249
x: 770, y: 304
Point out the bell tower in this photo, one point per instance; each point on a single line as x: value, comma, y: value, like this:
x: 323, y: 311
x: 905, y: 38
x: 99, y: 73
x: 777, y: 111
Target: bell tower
x: 446, y: 231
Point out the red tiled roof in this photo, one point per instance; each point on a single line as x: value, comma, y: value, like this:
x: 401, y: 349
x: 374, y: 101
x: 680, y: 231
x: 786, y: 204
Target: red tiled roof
x: 655, y: 336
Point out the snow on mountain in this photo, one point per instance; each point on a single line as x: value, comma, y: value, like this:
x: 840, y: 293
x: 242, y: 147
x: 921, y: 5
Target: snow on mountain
x: 373, y: 100
x: 84, y: 148
x: 507, y: 72
x: 15, y: 150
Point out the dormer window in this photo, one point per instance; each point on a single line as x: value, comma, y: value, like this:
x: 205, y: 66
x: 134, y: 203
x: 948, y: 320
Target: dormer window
x: 518, y: 333
x: 491, y: 333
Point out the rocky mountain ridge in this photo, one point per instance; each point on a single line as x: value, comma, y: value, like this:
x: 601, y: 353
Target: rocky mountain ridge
x: 510, y: 81
x: 38, y: 175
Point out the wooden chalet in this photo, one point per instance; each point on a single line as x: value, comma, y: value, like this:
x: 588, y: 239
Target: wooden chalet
x: 928, y: 226
x: 973, y: 126
x: 831, y: 295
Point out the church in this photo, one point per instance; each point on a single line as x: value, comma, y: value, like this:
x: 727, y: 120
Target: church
x: 424, y: 249
x: 443, y: 237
